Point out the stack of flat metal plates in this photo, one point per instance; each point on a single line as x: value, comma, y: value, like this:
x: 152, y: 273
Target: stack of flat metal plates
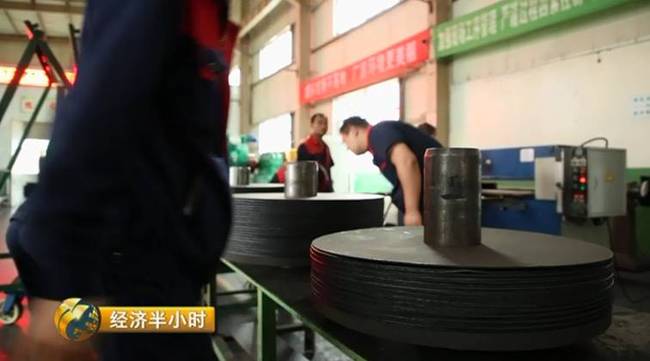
x: 515, y: 291
x: 269, y: 229
x: 259, y: 188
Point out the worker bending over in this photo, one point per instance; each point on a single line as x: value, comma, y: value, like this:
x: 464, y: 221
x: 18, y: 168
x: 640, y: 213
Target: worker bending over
x: 398, y: 150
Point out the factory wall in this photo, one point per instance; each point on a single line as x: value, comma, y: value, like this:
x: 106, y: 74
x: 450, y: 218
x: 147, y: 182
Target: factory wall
x: 278, y: 93
x: 331, y: 52
x: 563, y: 85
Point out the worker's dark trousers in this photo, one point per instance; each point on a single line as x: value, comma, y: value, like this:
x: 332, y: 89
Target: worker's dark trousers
x: 154, y: 277
x: 25, y: 264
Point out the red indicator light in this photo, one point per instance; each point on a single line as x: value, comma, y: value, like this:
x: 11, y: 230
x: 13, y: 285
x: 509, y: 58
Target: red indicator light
x: 583, y: 180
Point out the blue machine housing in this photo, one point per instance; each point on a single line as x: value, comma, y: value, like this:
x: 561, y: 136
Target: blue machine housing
x: 521, y: 213
x: 530, y: 215
x: 506, y: 164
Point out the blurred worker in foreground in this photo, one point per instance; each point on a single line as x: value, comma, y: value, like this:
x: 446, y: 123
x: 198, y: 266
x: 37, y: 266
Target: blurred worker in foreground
x: 314, y: 148
x: 132, y: 206
x: 427, y: 129
x: 398, y: 150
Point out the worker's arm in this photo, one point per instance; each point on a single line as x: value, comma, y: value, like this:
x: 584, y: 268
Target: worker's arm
x: 76, y: 207
x: 410, y: 179
x: 86, y: 173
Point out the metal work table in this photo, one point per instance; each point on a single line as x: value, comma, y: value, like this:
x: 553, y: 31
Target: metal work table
x: 289, y: 289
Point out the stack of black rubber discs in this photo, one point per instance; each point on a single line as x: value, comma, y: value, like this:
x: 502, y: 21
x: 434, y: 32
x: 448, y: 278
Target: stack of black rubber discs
x: 515, y: 291
x: 258, y: 188
x: 269, y: 229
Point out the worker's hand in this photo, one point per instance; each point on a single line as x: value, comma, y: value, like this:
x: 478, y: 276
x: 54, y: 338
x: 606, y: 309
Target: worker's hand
x: 413, y: 218
x: 43, y: 341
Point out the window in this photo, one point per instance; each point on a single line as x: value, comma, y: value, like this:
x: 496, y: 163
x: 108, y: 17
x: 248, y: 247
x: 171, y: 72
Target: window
x: 234, y: 77
x: 234, y: 80
x: 28, y: 161
x: 375, y: 103
x: 275, y: 134
x: 349, y: 14
x: 276, y: 54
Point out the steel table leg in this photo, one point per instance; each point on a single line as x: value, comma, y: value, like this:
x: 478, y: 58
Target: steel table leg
x: 266, y: 332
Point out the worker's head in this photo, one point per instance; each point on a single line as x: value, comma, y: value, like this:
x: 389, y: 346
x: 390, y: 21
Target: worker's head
x: 427, y: 129
x: 319, y: 124
x: 354, y: 132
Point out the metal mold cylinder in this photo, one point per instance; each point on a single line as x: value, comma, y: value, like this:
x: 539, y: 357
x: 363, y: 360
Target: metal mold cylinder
x: 239, y: 176
x: 452, y: 197
x: 301, y: 179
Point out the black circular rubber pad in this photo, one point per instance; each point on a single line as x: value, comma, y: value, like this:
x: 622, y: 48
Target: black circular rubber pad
x: 258, y: 188
x: 516, y: 291
x: 269, y: 229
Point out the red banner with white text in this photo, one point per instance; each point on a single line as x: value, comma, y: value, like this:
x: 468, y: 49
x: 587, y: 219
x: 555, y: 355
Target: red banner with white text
x: 395, y: 60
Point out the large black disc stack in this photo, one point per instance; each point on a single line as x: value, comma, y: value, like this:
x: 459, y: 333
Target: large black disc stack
x: 269, y: 229
x: 515, y: 291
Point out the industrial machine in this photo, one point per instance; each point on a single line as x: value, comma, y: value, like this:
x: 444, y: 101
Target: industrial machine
x: 550, y: 189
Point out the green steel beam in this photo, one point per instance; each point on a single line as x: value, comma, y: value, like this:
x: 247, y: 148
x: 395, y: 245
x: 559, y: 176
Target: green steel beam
x: 266, y: 331
x: 307, y: 322
x: 235, y: 292
x: 221, y: 349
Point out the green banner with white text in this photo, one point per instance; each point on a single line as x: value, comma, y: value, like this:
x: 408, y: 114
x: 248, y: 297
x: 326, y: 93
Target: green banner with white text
x: 510, y: 18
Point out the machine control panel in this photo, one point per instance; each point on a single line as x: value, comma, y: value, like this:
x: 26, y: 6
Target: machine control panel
x: 593, y: 182
x: 578, y: 186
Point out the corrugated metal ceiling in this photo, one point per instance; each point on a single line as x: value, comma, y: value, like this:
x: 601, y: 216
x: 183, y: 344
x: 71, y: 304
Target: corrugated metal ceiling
x: 53, y: 16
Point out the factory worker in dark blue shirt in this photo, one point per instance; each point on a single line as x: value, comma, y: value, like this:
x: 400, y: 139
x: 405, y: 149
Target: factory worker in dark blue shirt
x: 398, y: 150
x: 132, y: 206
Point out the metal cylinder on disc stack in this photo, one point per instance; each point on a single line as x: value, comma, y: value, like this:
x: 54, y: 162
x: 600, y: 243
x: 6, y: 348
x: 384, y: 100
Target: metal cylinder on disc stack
x: 452, y: 284
x: 239, y: 179
x: 452, y: 197
x: 301, y: 179
x: 239, y: 176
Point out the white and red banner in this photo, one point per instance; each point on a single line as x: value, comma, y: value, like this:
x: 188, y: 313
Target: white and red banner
x: 395, y: 60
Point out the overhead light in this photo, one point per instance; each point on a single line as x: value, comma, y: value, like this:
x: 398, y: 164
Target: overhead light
x: 32, y: 77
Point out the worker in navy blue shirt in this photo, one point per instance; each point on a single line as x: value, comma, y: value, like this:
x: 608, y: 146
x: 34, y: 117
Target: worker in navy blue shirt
x: 398, y: 150
x: 132, y: 206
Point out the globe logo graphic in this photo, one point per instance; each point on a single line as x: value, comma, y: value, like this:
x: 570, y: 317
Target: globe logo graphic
x: 76, y: 319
